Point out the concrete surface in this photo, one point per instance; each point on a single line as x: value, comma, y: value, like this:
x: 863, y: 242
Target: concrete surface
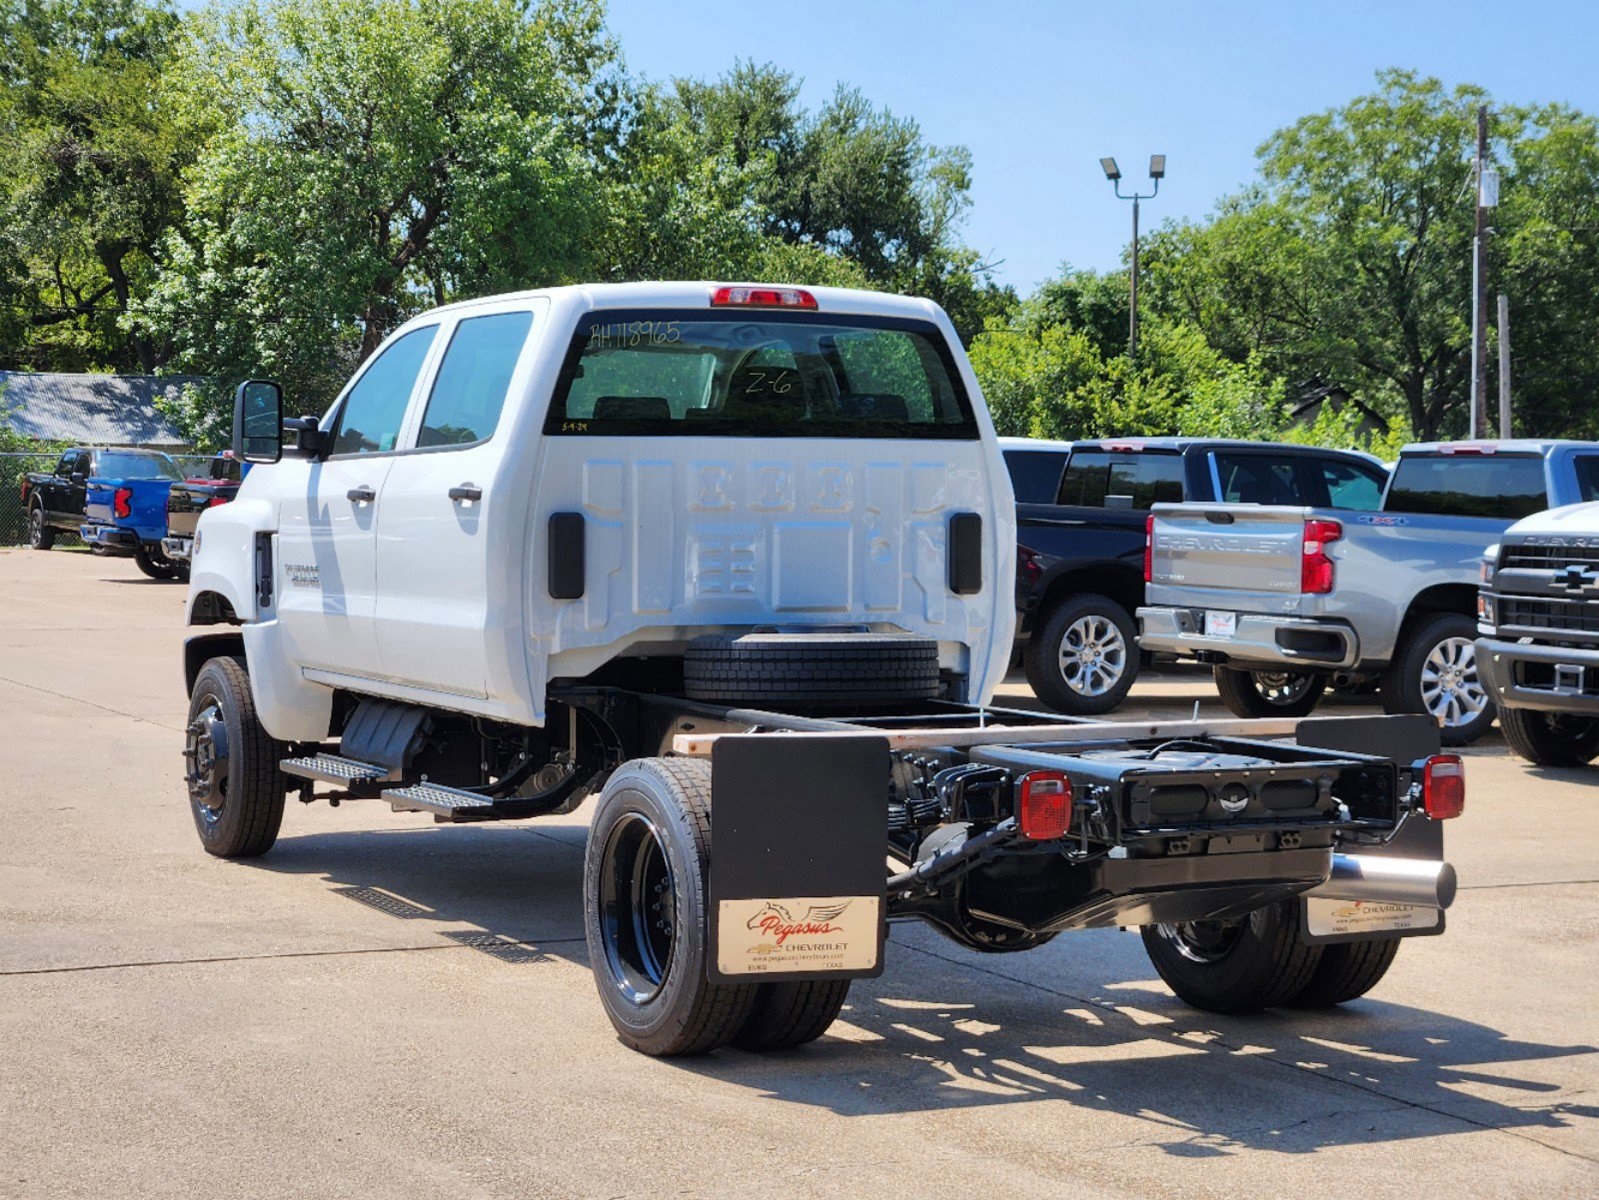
x: 384, y: 1007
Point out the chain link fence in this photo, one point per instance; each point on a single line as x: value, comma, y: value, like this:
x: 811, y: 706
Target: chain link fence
x: 14, y: 518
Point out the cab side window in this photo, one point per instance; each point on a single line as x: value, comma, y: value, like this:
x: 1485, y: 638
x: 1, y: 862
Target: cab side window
x: 68, y: 464
x: 374, y: 409
x: 1351, y: 486
x: 464, y: 406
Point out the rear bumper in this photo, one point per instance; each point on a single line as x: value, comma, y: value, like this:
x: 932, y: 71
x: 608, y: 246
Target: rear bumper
x: 178, y: 549
x: 1259, y: 640
x: 108, y: 537
x: 1546, y: 678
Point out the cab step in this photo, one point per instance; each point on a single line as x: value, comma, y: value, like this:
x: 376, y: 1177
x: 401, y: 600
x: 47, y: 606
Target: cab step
x: 450, y: 804
x: 330, y: 768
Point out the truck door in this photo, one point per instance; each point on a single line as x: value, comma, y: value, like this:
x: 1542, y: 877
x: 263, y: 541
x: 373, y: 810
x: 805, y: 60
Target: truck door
x: 437, y: 586
x: 327, y: 540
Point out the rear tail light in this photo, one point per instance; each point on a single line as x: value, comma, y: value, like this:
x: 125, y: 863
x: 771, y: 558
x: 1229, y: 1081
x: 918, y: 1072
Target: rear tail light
x: 216, y: 500
x: 1044, y: 805
x: 1315, y: 568
x: 24, y: 491
x: 121, y: 502
x: 762, y: 297
x: 1443, y: 786
x: 1149, y: 548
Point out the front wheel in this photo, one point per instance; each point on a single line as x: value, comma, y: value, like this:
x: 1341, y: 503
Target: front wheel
x: 1236, y: 966
x: 1551, y: 739
x: 1252, y: 694
x: 1084, y: 658
x: 645, y: 911
x: 40, y: 535
x: 1435, y: 672
x: 236, y: 791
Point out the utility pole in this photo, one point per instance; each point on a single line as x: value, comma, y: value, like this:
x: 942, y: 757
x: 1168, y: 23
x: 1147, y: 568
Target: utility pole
x: 1479, y: 286
x: 1504, y: 365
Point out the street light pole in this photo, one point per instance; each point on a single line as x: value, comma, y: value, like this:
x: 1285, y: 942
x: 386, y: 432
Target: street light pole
x: 1157, y: 172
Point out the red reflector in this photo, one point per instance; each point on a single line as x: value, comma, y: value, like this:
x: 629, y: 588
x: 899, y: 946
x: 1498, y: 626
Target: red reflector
x: 216, y: 500
x: 762, y: 297
x: 1315, y: 568
x: 120, y: 502
x: 1149, y: 548
x: 1044, y: 808
x: 1443, y: 786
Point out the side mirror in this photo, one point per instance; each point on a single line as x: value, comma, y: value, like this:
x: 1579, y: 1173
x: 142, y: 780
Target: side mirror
x: 258, y: 421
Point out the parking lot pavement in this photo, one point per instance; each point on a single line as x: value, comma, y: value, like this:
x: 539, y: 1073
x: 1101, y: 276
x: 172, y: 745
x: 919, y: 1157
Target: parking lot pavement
x: 384, y: 1007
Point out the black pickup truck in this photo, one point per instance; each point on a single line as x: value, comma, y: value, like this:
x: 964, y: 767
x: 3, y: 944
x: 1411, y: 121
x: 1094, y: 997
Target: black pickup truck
x: 54, y: 500
x: 1082, y: 511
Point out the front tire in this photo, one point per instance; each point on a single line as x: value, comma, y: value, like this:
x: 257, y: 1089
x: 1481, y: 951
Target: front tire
x: 645, y: 911
x: 40, y: 535
x: 1084, y: 658
x: 1253, y: 694
x: 1435, y: 673
x: 1550, y: 739
x: 1240, y: 966
x: 236, y: 791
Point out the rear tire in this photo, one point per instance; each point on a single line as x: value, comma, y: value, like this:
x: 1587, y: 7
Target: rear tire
x: 645, y: 911
x: 40, y: 535
x: 1252, y: 694
x: 236, y: 791
x: 790, y: 1014
x: 1435, y: 674
x: 1237, y: 966
x: 1084, y: 658
x: 1550, y: 739
x: 1347, y: 971
x: 155, y: 567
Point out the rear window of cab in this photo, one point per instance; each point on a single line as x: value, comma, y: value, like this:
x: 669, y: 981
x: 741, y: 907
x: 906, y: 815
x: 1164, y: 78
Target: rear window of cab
x: 759, y: 374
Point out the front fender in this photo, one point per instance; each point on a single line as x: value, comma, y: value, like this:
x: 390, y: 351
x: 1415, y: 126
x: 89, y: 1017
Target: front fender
x: 224, y: 561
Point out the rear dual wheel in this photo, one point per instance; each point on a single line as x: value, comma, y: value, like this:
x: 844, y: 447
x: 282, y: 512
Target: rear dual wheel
x: 645, y: 912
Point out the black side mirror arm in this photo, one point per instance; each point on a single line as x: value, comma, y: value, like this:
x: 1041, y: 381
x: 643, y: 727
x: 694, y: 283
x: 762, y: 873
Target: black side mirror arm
x: 310, y: 440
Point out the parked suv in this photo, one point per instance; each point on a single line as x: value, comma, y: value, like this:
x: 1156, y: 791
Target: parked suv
x: 1081, y: 509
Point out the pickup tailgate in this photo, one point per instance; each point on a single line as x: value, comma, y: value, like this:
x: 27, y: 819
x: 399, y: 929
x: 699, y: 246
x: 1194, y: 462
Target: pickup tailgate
x: 145, y: 505
x: 1237, y: 557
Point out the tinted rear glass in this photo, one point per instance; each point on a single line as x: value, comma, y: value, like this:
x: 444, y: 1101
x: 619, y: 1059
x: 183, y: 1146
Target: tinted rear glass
x: 1587, y: 476
x: 1035, y: 474
x: 1147, y: 478
x: 114, y: 465
x: 747, y: 374
x: 1468, y: 485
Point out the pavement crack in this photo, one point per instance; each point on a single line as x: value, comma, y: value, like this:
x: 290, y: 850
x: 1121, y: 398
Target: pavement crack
x: 106, y: 708
x: 227, y: 958
x: 1533, y: 883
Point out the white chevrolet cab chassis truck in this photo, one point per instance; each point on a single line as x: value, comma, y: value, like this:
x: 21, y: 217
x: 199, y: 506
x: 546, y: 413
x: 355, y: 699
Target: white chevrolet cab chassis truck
x: 739, y: 560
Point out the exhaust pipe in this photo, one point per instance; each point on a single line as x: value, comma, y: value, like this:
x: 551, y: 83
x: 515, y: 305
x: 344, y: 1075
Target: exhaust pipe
x: 1374, y: 879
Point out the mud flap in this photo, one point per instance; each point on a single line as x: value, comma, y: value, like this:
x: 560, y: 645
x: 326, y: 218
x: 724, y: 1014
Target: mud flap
x: 799, y: 831
x: 1406, y: 739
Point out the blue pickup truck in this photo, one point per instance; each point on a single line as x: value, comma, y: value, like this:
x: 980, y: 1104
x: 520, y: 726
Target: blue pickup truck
x: 125, y: 511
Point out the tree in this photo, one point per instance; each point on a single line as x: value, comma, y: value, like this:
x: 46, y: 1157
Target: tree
x: 365, y: 159
x: 91, y: 183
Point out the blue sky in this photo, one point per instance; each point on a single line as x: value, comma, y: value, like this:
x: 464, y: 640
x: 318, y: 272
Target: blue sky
x: 1039, y: 91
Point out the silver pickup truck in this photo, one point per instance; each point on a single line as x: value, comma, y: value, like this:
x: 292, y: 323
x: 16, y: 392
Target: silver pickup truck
x: 1279, y: 599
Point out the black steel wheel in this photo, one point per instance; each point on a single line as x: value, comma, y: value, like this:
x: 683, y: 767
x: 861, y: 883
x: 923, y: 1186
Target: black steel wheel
x: 1551, y: 739
x: 40, y: 535
x: 236, y: 791
x: 1253, y: 694
x: 1083, y: 658
x: 1234, y: 966
x: 645, y: 911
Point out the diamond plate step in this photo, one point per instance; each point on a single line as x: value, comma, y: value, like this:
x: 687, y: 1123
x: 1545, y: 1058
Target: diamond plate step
x: 440, y: 800
x: 330, y: 768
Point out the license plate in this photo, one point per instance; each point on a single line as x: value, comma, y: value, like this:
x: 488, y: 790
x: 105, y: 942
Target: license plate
x: 1221, y: 624
x: 1330, y: 918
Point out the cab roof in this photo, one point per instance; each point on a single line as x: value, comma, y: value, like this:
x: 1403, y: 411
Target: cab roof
x: 697, y: 294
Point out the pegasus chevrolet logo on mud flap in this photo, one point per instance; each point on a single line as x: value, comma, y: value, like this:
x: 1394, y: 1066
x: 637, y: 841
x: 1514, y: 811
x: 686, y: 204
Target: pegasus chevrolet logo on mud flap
x: 779, y: 923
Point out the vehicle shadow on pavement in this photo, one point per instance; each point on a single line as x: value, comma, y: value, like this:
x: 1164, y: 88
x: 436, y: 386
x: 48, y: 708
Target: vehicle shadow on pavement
x: 947, y: 1029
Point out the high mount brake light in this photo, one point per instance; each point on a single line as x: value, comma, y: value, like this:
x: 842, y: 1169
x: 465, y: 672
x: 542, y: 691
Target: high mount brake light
x: 1149, y: 548
x: 121, y: 502
x: 762, y: 297
x: 1044, y: 805
x: 1476, y: 449
x: 1443, y: 786
x: 1315, y: 568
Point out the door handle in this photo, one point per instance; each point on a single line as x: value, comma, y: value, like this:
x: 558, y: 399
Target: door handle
x: 362, y: 494
x: 469, y: 492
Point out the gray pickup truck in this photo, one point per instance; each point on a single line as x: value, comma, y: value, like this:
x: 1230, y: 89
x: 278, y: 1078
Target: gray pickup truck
x: 1538, y: 613
x: 1278, y: 598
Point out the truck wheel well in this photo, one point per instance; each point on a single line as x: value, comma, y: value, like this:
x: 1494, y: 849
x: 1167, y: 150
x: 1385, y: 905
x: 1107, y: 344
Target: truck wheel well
x: 213, y: 608
x: 1440, y: 598
x: 202, y: 648
x: 1106, y: 579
